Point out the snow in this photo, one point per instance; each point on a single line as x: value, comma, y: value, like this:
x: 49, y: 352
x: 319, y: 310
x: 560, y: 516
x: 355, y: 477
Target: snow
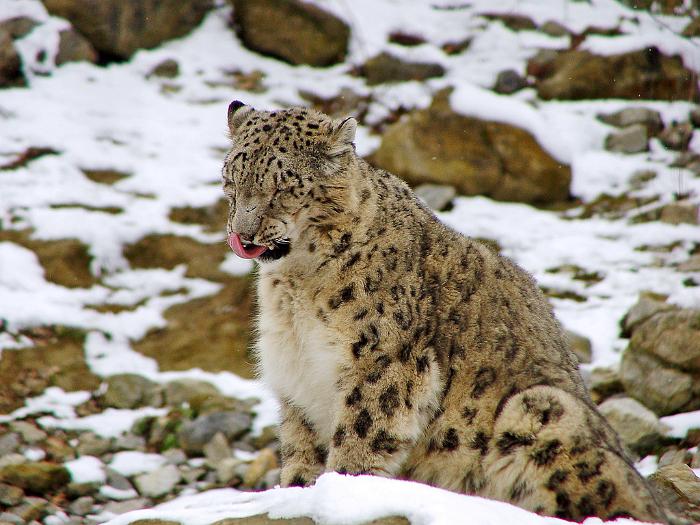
x: 110, y: 423
x: 679, y: 424
x: 86, y: 469
x: 345, y: 500
x: 131, y: 462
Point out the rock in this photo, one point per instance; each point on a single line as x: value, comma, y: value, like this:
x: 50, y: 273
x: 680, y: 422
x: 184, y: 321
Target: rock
x: 168, y: 68
x: 509, y: 81
x: 693, y: 28
x: 579, y: 345
x: 437, y: 145
x: 11, y: 74
x: 159, y: 482
x: 633, y: 139
x: 639, y: 178
x: 118, y: 28
x: 673, y: 337
x: 30, y: 433
x: 74, y: 47
x: 82, y: 506
x: 121, y: 507
x: 553, y: 28
x: 9, y: 443
x: 605, y: 382
x: 32, y: 509
x: 228, y: 469
x: 129, y: 442
x: 513, y: 22
x: 36, y: 478
x: 694, y: 115
x: 405, y: 39
x: 681, y: 212
x: 266, y: 437
x: 542, y: 63
x: 10, y: 518
x: 636, y: 115
x: 10, y: 496
x: 263, y: 462
x: 117, y: 480
x: 677, y: 136
x: 647, y: 305
x: 690, y: 265
x: 679, y: 489
x: 271, y: 479
x: 18, y: 26
x: 388, y: 68
x: 293, y: 31
x: 185, y: 390
x: 436, y: 196
x: 129, y: 391
x: 673, y: 456
x: 91, y: 445
x: 175, y: 456
x: 217, y: 449
x: 12, y: 459
x: 193, y: 435
x: 638, y: 427
x: 645, y: 74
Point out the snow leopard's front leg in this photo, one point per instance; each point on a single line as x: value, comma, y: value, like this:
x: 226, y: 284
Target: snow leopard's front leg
x: 303, y: 458
x: 387, y: 400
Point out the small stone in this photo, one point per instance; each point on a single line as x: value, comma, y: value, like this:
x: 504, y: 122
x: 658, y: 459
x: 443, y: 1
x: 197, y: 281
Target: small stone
x: 694, y: 115
x: 38, y: 478
x: 639, y: 178
x: 9, y: 443
x: 605, y: 382
x: 680, y: 213
x: 436, y: 196
x: 117, y: 480
x: 57, y: 449
x: 122, y: 507
x: 30, y: 433
x: 129, y: 442
x: 579, y: 345
x: 18, y: 27
x: 10, y: 496
x: 193, y: 435
x: 264, y: 461
x: 267, y: 436
x: 74, y: 47
x: 691, y: 265
x: 553, y: 28
x: 185, y: 390
x: 637, y: 115
x: 673, y: 456
x: 10, y: 63
x: 92, y: 445
x: 509, y: 81
x: 541, y: 64
x: 159, y: 482
x: 13, y: 519
x: 677, y: 136
x: 168, y: 68
x: 271, y: 479
x: 678, y: 488
x: 128, y: 391
x: 12, y: 459
x: 217, y: 449
x: 192, y: 474
x: 638, y: 427
x: 175, y: 456
x: 228, y: 469
x: 385, y: 68
x: 81, y: 506
x: 31, y: 509
x: 78, y: 490
x: 633, y: 139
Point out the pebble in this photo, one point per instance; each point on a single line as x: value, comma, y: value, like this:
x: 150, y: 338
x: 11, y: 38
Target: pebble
x: 633, y: 139
x: 509, y: 81
x: 159, y: 482
x: 120, y: 507
x: 9, y: 443
x: 673, y: 456
x: 638, y: 427
x: 265, y: 461
x: 10, y: 496
x: 175, y: 456
x: 31, y: 434
x: 91, y: 445
x: 227, y: 469
x: 129, y: 442
x: 193, y: 435
x: 217, y: 449
x: 436, y: 196
x: 82, y: 506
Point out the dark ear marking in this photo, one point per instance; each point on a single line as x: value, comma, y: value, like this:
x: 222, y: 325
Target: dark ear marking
x: 237, y: 113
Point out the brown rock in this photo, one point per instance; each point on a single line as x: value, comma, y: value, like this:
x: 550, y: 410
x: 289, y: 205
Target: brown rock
x: 264, y: 461
x: 388, y: 68
x: 11, y: 74
x: 74, y: 47
x: 673, y: 337
x: 693, y: 28
x: 580, y: 345
x: 118, y: 28
x: 681, y: 212
x: 646, y: 74
x: 679, y: 489
x: 18, y: 26
x: 437, y: 145
x: 36, y: 478
x: 648, y: 304
x: 677, y: 136
x: 293, y: 31
x: 514, y: 22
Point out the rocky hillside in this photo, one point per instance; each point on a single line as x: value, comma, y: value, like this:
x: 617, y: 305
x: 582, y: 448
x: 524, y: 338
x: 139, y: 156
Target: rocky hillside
x: 562, y: 133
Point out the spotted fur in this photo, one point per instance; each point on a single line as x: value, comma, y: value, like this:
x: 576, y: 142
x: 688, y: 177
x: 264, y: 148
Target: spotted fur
x: 400, y: 348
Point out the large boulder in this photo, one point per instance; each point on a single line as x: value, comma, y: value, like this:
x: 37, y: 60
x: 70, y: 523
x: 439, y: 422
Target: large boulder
x: 645, y: 74
x: 638, y: 427
x: 437, y: 145
x: 679, y: 490
x: 118, y: 28
x: 661, y: 365
x: 293, y: 31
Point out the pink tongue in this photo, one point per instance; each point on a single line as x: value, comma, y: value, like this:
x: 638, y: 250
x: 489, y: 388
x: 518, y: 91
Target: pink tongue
x: 251, y: 252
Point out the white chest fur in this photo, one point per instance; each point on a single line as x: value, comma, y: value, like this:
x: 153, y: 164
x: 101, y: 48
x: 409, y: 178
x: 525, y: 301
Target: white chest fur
x: 298, y: 358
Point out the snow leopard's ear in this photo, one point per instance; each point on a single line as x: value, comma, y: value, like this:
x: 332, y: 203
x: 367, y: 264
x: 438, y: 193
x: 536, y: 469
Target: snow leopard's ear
x: 237, y: 113
x: 341, y: 138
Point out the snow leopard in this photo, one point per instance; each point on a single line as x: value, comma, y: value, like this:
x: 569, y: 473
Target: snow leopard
x: 397, y: 346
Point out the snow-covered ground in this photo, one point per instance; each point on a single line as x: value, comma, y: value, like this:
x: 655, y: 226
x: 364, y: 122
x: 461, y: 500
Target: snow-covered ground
x: 169, y: 136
